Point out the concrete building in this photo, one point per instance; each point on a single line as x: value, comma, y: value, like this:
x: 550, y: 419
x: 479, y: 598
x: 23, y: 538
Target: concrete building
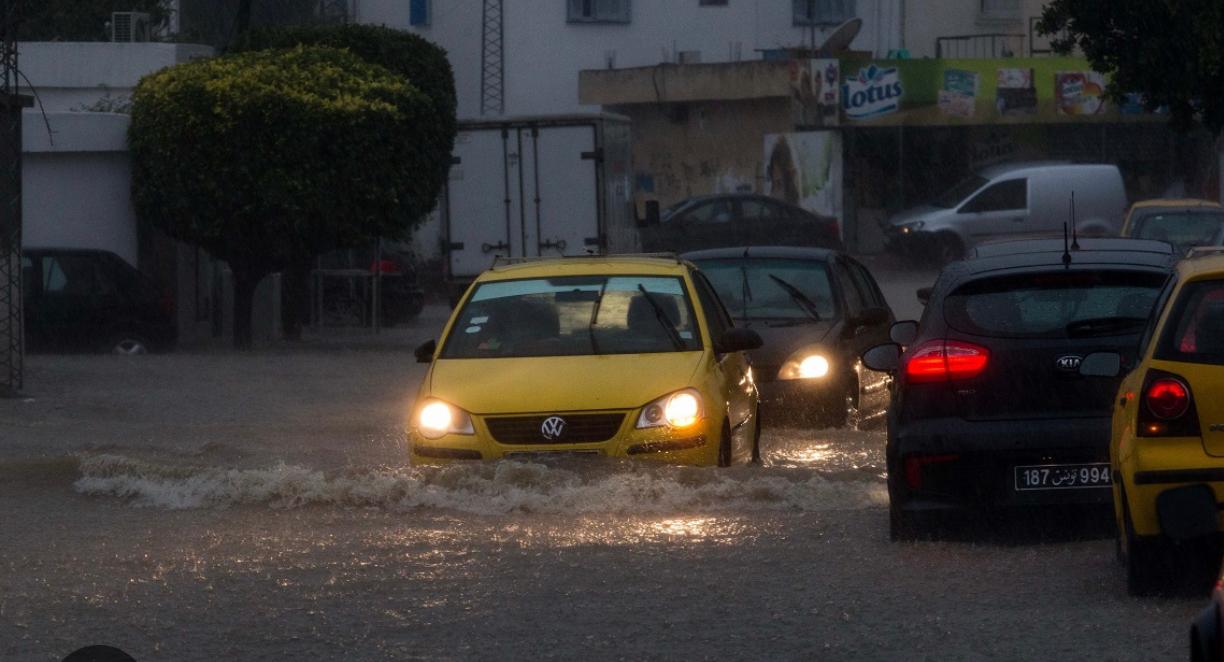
x: 76, y: 175
x: 547, y: 42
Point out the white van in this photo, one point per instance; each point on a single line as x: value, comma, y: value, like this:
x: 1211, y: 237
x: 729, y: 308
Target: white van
x: 1012, y: 200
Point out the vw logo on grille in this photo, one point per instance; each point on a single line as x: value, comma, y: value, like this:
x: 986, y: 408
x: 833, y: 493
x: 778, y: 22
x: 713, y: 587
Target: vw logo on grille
x: 552, y: 427
x: 1068, y: 362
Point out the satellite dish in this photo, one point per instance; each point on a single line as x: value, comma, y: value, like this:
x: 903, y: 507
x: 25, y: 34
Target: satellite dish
x: 842, y: 37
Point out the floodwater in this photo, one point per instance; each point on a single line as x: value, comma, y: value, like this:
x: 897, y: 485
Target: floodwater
x: 223, y: 506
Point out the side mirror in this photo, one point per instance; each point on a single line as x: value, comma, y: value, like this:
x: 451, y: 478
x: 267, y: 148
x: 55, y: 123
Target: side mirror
x: 738, y: 340
x: 903, y: 333
x: 1101, y: 364
x: 425, y: 351
x: 924, y: 295
x: 883, y: 358
x: 652, y: 214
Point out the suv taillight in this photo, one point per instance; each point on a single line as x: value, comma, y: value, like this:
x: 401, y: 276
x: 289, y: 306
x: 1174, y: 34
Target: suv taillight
x: 945, y: 360
x: 1167, y: 408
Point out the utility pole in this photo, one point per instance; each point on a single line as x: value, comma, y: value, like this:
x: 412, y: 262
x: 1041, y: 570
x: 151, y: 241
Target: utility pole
x: 12, y: 346
x: 492, y: 59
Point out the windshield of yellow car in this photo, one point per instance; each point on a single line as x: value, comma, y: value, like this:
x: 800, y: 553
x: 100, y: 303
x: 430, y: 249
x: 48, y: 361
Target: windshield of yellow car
x: 1181, y: 228
x: 574, y: 316
x: 749, y: 293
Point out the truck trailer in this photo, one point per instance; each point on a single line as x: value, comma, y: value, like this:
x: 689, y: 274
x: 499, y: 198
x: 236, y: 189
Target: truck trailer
x: 537, y: 186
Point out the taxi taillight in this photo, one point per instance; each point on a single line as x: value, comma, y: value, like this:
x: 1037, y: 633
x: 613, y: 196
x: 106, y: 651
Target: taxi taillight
x: 1167, y: 407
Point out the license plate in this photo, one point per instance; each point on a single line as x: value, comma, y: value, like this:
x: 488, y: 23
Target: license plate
x: 1062, y: 476
x: 548, y: 455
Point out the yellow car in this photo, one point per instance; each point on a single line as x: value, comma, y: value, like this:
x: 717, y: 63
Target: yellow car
x: 1167, y: 444
x: 1182, y: 223
x: 626, y: 356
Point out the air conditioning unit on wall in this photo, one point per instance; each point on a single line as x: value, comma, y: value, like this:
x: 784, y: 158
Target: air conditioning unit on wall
x: 130, y: 26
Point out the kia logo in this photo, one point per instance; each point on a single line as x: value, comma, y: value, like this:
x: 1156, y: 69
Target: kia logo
x: 552, y: 427
x: 1069, y: 362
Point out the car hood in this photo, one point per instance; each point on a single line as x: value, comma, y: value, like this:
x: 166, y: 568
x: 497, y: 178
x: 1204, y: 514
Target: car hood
x: 909, y: 215
x: 780, y: 342
x: 561, y: 383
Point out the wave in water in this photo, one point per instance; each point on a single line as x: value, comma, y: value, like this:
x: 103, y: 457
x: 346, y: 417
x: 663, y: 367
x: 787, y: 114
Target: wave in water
x: 483, y: 488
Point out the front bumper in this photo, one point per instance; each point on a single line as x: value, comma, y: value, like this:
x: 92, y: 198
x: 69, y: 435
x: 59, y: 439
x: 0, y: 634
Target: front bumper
x: 907, y: 242
x: 954, y: 464
x: 695, y: 445
x: 1165, y: 468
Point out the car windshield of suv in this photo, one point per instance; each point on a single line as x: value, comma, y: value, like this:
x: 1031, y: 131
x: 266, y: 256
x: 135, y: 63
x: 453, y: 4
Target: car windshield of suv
x: 1182, y: 228
x: 957, y: 194
x: 749, y: 293
x: 1195, y: 331
x: 573, y: 316
x: 1062, y: 304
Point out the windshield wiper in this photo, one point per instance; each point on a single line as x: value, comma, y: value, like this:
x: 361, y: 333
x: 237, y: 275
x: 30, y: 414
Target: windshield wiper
x: 672, y: 333
x: 807, y: 305
x: 1099, y: 325
x: 595, y: 318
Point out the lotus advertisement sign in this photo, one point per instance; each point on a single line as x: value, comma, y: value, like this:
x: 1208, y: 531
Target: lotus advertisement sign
x: 928, y: 92
x: 873, y: 92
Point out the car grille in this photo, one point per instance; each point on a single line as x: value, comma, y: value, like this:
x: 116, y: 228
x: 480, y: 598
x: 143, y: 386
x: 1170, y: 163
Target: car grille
x: 578, y: 428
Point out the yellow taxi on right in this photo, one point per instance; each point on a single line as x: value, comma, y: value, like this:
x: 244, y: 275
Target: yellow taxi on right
x: 1167, y: 444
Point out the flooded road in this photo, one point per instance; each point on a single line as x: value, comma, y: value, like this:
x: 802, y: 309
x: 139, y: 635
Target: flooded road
x: 218, y: 506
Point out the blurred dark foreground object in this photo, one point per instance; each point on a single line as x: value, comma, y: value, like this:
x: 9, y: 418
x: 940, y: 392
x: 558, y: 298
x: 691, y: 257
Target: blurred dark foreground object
x: 99, y: 654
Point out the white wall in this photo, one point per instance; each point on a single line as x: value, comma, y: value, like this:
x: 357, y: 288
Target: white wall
x: 927, y: 20
x: 76, y: 183
x: 67, y: 75
x: 544, y: 53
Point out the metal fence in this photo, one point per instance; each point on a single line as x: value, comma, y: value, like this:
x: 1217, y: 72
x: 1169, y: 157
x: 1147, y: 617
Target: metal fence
x: 984, y: 46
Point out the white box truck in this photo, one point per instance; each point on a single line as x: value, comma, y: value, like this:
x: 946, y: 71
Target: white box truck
x: 535, y: 187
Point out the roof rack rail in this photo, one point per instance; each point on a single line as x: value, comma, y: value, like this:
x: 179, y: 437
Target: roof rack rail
x: 1200, y: 251
x: 505, y: 261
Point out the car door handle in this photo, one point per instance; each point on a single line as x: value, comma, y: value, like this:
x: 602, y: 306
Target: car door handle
x: 1018, y: 219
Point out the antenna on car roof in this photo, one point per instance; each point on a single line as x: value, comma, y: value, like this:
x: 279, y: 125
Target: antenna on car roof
x: 1074, y: 233
x: 1066, y: 256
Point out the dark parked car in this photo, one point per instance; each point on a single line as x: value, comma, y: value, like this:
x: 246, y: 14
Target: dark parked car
x: 816, y: 310
x: 1207, y: 631
x: 91, y: 300
x: 989, y: 408
x: 738, y: 219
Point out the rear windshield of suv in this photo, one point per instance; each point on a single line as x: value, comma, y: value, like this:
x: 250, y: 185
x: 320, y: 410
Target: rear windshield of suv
x: 1195, y: 330
x: 1057, y: 304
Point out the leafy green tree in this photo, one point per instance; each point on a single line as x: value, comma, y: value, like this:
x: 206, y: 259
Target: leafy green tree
x: 78, y: 20
x: 403, y: 53
x: 1170, y: 51
x: 262, y: 156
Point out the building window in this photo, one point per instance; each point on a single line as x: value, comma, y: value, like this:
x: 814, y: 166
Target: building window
x: 598, y: 11
x: 712, y: 3
x: 418, y: 13
x: 823, y: 12
x: 1005, y: 8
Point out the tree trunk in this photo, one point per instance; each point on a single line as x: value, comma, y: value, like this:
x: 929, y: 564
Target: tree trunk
x: 244, y: 295
x: 295, y: 298
x: 242, y: 19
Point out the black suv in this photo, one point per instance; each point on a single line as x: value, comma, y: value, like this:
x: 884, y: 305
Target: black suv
x: 989, y: 408
x: 91, y: 300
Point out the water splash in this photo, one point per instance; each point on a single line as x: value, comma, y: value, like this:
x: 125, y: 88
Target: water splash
x: 483, y: 488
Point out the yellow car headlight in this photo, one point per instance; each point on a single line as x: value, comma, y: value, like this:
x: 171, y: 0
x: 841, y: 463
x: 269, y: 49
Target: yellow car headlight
x: 805, y: 365
x: 436, y: 418
x: 681, y: 409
